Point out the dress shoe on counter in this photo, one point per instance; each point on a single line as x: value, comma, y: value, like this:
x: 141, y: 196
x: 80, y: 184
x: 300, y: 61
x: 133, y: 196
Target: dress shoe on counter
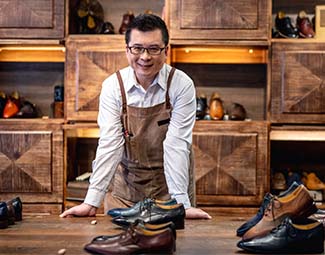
x: 137, y: 241
x: 285, y: 27
x: 126, y: 20
x: 133, y: 210
x: 278, y: 181
x: 259, y: 215
x: 298, y: 204
x: 312, y: 182
x: 201, y: 105
x: 17, y: 206
x: 138, y: 224
x: 3, y: 215
x: 304, y: 25
x: 289, y: 237
x: 155, y: 214
x: 237, y: 112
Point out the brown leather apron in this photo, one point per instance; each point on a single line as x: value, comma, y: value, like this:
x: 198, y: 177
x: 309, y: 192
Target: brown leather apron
x: 141, y: 172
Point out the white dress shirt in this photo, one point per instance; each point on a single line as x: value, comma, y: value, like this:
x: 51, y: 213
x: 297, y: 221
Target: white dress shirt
x: 178, y: 138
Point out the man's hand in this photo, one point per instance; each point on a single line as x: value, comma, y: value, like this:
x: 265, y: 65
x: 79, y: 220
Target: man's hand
x: 196, y: 213
x: 83, y: 210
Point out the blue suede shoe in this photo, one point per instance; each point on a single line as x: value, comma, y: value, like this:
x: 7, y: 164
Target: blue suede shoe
x: 259, y: 215
x: 133, y: 210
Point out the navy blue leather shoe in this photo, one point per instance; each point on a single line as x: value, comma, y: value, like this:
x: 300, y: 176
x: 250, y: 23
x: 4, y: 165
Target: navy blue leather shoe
x: 254, y: 220
x: 289, y: 237
x: 133, y: 210
x: 3, y: 215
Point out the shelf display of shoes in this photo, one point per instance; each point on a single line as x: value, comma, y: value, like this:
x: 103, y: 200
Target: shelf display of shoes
x: 10, y: 212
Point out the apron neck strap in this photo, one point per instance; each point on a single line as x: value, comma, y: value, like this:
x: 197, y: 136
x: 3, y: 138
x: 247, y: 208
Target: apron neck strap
x: 169, y: 81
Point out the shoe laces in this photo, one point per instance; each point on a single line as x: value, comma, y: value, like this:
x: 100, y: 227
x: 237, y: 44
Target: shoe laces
x: 271, y: 206
x: 146, y: 206
x: 265, y: 204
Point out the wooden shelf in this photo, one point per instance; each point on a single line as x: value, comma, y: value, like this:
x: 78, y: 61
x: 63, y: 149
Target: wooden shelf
x: 219, y: 55
x: 297, y: 135
x: 32, y: 53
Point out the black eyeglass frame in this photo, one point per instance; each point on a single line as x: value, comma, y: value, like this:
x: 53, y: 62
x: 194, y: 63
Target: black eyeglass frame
x: 143, y: 49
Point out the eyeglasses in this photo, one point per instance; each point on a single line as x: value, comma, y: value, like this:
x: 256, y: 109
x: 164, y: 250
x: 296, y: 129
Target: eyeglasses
x: 137, y: 50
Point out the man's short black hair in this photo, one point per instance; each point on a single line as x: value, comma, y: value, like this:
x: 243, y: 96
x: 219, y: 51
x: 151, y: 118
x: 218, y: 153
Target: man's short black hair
x: 148, y: 22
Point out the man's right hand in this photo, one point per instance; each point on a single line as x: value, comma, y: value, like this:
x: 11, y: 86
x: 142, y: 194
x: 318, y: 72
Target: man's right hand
x: 82, y: 210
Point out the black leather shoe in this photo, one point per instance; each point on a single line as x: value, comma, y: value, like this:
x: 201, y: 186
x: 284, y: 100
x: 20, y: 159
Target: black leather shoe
x: 156, y: 214
x: 133, y: 210
x: 3, y: 215
x: 140, y: 225
x: 17, y: 208
x: 267, y: 198
x: 285, y: 27
x: 289, y: 238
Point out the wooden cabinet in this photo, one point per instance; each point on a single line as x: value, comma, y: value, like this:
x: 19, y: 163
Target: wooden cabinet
x: 31, y: 156
x: 231, y: 162
x: 89, y: 61
x: 297, y: 89
x: 219, y: 20
x: 32, y: 19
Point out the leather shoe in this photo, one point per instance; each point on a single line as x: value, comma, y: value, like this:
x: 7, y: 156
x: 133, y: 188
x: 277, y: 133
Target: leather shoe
x: 17, y: 206
x: 312, y: 182
x: 138, y: 224
x: 133, y: 210
x: 289, y: 238
x: 3, y: 215
x: 155, y: 214
x: 135, y: 241
x: 298, y: 204
x: 284, y: 26
x: 266, y: 201
x: 304, y: 25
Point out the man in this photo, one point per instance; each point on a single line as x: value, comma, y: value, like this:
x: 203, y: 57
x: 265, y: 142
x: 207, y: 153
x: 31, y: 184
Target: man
x: 146, y: 116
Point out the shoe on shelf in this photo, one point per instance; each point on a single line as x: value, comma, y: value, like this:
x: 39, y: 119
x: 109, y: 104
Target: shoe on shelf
x: 216, y: 107
x: 278, y: 181
x: 304, y: 25
x: 155, y: 214
x: 312, y: 182
x: 133, y: 210
x: 289, y: 237
x: 237, y: 112
x: 137, y: 241
x: 284, y: 26
x: 17, y: 206
x: 259, y: 215
x: 298, y: 204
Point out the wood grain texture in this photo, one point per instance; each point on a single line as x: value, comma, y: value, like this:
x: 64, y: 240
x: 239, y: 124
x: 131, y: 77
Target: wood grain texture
x: 230, y: 162
x: 89, y: 62
x: 217, y: 19
x: 297, y: 89
x: 32, y: 19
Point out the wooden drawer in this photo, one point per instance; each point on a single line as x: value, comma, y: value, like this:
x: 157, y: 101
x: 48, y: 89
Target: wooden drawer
x: 230, y: 162
x: 32, y: 19
x: 218, y: 19
x: 31, y: 162
x: 297, y: 88
x: 89, y: 61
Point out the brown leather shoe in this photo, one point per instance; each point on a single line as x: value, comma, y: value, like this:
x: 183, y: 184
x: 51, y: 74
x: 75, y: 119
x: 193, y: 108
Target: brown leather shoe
x: 312, y: 182
x: 216, y: 107
x: 304, y: 25
x: 297, y: 204
x: 134, y: 241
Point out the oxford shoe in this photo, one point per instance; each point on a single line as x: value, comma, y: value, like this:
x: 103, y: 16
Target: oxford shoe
x: 259, y: 215
x: 304, y: 25
x: 284, y: 26
x: 298, y: 204
x: 3, y: 215
x: 135, y: 241
x: 133, y: 210
x: 138, y: 224
x: 156, y: 214
x: 289, y: 237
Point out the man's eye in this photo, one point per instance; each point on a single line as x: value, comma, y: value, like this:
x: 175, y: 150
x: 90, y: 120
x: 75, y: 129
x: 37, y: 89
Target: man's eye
x: 137, y: 48
x: 154, y: 49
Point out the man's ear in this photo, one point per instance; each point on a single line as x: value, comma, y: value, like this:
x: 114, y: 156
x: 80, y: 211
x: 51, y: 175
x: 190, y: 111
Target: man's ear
x: 166, y: 50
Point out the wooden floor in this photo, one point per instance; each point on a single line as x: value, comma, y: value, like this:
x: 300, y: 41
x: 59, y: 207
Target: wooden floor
x: 47, y: 234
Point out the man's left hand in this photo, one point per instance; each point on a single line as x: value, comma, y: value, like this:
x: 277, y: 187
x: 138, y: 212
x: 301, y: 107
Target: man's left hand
x: 196, y: 213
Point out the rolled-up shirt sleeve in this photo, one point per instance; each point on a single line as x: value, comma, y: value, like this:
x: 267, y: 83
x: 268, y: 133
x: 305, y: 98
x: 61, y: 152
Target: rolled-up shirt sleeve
x: 177, y: 144
x: 110, y: 144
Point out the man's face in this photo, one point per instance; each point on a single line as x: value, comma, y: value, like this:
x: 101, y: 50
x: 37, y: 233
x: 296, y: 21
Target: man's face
x: 145, y: 65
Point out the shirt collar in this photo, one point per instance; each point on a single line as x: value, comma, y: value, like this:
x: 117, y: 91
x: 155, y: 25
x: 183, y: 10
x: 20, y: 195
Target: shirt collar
x: 160, y: 80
